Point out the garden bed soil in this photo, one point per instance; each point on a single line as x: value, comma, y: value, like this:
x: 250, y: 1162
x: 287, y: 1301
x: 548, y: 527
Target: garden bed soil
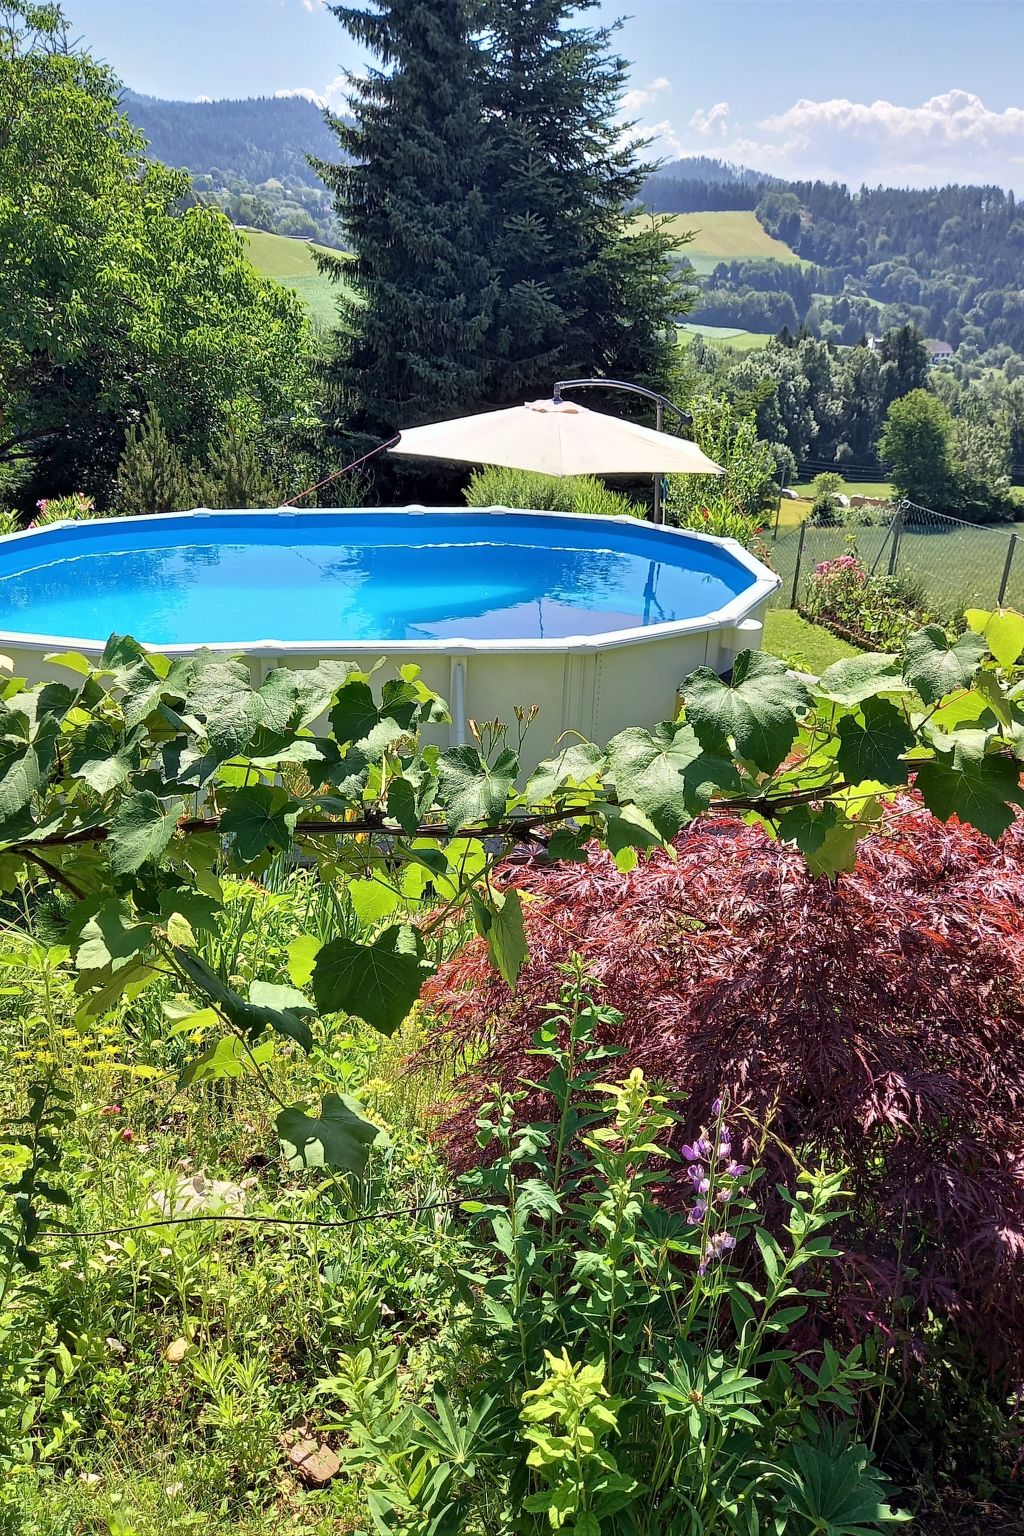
x: 852, y: 636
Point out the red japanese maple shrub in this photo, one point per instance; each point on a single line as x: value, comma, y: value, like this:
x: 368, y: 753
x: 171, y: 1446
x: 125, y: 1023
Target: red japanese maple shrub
x: 878, y: 1021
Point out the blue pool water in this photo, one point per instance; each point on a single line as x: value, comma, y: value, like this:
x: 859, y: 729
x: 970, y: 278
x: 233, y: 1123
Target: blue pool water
x: 337, y: 576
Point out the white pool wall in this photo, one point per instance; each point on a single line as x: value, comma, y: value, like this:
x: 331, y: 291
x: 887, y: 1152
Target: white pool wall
x: 591, y: 686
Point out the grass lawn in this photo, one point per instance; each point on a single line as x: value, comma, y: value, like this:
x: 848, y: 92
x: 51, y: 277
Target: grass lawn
x: 726, y: 236
x: 805, y: 646
x: 726, y: 336
x: 291, y: 262
x: 881, y: 489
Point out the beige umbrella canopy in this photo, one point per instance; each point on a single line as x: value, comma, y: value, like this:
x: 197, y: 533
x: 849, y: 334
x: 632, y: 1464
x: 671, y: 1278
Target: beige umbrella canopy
x: 557, y: 437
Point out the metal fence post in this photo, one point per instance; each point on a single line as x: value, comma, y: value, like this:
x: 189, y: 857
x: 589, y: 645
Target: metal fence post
x: 897, y: 525
x: 799, y: 556
x: 1006, y: 569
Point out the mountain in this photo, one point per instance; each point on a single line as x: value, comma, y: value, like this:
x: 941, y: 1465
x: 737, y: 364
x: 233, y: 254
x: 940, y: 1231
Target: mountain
x: 259, y: 139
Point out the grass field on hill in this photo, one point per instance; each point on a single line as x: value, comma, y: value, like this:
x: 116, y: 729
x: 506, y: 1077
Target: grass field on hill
x: 291, y: 262
x: 726, y: 236
x: 726, y: 336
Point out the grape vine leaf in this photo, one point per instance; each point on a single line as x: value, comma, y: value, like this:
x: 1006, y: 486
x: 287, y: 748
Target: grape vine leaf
x: 472, y: 790
x: 873, y: 750
x: 109, y: 938
x: 855, y: 678
x: 760, y: 709
x: 977, y: 787
x: 936, y: 666
x: 1002, y: 631
x: 578, y: 762
x: 502, y: 927
x: 268, y: 1006
x: 340, y: 1136
x: 376, y: 982
x: 260, y: 816
x: 825, y: 837
x: 667, y: 773
x: 140, y: 830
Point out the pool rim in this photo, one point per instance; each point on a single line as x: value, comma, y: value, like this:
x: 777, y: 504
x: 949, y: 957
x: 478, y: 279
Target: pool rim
x: 765, y: 583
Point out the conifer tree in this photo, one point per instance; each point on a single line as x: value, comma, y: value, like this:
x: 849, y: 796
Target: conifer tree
x: 234, y: 475
x: 152, y: 475
x: 415, y: 342
x: 585, y: 290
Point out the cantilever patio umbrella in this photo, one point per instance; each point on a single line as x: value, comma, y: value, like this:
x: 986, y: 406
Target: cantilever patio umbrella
x: 557, y: 437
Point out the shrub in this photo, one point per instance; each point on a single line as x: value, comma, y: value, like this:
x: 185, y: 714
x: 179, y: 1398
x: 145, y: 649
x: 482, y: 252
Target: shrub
x: 881, y: 610
x: 615, y: 1372
x: 64, y: 509
x: 495, y: 486
x: 876, y: 1021
x: 825, y: 505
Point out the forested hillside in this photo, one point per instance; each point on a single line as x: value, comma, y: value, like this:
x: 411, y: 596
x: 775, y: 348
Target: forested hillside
x: 254, y: 140
x: 947, y: 259
x: 249, y: 158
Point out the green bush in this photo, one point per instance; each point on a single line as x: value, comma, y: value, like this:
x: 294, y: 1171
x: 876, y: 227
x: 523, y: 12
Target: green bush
x: 825, y: 506
x: 621, y: 1368
x: 495, y: 486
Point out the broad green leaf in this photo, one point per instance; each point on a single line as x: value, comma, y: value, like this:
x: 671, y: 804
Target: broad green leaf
x: 355, y: 713
x: 667, y: 773
x: 110, y: 939
x: 1002, y: 631
x: 302, y: 953
x: 101, y: 758
x: 141, y: 830
x: 505, y: 936
x: 202, y: 913
x: 339, y: 1137
x: 228, y: 1058
x: 260, y: 817
x: 872, y: 750
x: 305, y: 693
x: 856, y: 678
x: 260, y: 1012
x: 377, y: 982
x: 575, y: 764
x: 936, y: 666
x: 978, y: 789
x: 760, y: 709
x: 626, y: 830
x: 471, y: 790
x: 826, y: 838
x: 372, y: 899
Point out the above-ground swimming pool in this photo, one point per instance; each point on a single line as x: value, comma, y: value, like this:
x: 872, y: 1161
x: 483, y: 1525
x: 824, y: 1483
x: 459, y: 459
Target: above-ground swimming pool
x: 594, y: 619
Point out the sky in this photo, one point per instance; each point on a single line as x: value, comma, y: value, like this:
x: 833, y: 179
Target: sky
x: 900, y: 92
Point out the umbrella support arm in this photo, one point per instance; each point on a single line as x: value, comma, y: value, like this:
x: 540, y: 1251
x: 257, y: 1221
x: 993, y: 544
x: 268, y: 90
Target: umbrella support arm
x: 661, y: 404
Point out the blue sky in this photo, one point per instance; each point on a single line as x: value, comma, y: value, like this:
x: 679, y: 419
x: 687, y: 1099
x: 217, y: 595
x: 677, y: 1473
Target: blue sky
x: 898, y: 91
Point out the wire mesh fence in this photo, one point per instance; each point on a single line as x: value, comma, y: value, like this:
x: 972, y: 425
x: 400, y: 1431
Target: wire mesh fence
x: 952, y: 565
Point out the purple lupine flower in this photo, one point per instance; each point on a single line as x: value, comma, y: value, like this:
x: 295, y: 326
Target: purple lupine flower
x: 736, y: 1170
x: 697, y: 1213
x: 689, y: 1152
x: 696, y: 1172
x: 723, y: 1196
x: 721, y: 1243
x: 703, y: 1147
x: 716, y: 1108
x: 725, y: 1149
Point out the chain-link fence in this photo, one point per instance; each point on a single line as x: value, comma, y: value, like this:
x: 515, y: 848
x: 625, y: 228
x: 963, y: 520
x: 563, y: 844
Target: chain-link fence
x: 954, y: 565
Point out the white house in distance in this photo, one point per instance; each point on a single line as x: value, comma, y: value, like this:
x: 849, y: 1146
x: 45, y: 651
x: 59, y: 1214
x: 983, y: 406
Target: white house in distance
x: 938, y: 351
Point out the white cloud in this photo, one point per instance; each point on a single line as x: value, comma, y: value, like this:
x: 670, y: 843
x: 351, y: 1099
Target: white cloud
x: 333, y: 95
x: 953, y: 136
x: 714, y: 123
x: 634, y: 101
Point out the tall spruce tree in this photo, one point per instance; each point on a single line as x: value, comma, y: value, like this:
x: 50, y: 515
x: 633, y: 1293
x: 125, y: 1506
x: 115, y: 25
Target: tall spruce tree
x: 585, y: 289
x: 486, y: 191
x: 415, y: 340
